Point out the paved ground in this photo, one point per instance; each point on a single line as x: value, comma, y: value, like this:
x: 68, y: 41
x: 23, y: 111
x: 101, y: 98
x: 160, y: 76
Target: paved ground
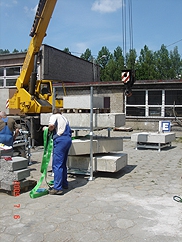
x: 134, y: 205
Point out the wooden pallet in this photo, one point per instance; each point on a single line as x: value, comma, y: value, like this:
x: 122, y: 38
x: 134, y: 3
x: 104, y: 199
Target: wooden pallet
x: 124, y: 129
x: 95, y: 110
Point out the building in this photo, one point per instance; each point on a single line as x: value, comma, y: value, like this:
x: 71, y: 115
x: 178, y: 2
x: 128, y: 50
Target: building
x: 151, y: 101
x: 53, y: 64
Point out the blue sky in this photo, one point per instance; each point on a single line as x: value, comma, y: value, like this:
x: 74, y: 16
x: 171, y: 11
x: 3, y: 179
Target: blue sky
x: 82, y: 24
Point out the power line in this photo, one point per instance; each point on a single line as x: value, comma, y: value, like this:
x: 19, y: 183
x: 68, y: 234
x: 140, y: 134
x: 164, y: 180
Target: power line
x: 174, y: 43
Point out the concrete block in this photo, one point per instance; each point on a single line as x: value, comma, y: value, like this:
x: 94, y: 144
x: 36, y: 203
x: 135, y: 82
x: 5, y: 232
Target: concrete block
x: 82, y: 120
x: 6, y: 152
x: 109, y: 144
x: 100, y: 145
x: 1, y: 174
x: 161, y: 138
x: 112, y: 162
x: 15, y: 175
x: 16, y: 163
x: 9, y: 185
x: 82, y: 102
x: 80, y: 162
x: 140, y: 137
x: 109, y: 120
x: 81, y: 147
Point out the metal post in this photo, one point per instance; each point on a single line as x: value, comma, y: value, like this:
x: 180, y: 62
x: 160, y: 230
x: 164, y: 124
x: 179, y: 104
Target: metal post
x: 32, y: 132
x: 29, y: 151
x: 94, y: 67
x: 108, y: 132
x: 91, y: 178
x: 54, y: 99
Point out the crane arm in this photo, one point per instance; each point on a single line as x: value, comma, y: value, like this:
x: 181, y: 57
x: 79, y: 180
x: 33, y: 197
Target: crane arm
x: 38, y: 32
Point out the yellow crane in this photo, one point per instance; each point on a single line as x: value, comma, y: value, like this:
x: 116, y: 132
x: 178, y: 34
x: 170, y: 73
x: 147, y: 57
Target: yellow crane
x: 35, y: 96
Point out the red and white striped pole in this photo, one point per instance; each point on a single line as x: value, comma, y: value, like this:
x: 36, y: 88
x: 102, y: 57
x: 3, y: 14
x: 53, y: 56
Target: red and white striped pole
x: 7, y: 103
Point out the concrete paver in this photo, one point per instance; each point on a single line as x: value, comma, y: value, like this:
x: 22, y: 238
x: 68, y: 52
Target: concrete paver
x: 133, y: 205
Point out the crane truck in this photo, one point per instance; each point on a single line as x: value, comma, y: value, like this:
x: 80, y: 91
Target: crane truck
x: 33, y: 96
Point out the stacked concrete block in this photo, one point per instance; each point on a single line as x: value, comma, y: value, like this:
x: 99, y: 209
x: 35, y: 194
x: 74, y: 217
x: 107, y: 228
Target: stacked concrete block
x: 107, y: 154
x: 103, y: 148
x: 13, y: 169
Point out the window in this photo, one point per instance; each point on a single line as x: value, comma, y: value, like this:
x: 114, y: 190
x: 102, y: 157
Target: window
x: 154, y: 111
x: 135, y: 111
x: 137, y: 98
x: 173, y: 97
x: 136, y: 104
x: 1, y: 82
x: 1, y: 71
x: 9, y: 75
x: 10, y: 82
x: 12, y: 71
x: 154, y: 103
x: 154, y: 97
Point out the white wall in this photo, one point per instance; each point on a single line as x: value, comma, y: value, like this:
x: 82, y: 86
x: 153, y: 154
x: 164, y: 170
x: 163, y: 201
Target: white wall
x: 4, y: 95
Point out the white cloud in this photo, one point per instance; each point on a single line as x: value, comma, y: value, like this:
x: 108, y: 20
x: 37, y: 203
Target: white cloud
x: 9, y: 4
x: 34, y: 9
x: 106, y: 6
x: 81, y: 47
x: 31, y: 11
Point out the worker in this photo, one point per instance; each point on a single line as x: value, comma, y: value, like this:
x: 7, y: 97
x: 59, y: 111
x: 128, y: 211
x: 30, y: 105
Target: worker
x: 59, y: 125
x: 8, y: 129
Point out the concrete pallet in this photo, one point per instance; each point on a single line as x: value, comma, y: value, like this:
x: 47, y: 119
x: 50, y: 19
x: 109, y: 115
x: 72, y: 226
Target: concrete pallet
x: 111, y: 162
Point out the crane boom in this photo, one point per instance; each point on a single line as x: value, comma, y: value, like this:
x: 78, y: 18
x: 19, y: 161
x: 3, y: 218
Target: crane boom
x: 28, y: 97
x: 38, y: 31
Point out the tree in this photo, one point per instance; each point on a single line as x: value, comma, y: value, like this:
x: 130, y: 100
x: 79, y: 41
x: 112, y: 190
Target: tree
x: 163, y: 63
x: 15, y: 51
x: 6, y: 51
x: 145, y: 65
x: 131, y: 59
x: 87, y: 55
x: 115, y: 65
x: 119, y: 60
x: 67, y: 50
x: 103, y: 58
x: 176, y: 64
